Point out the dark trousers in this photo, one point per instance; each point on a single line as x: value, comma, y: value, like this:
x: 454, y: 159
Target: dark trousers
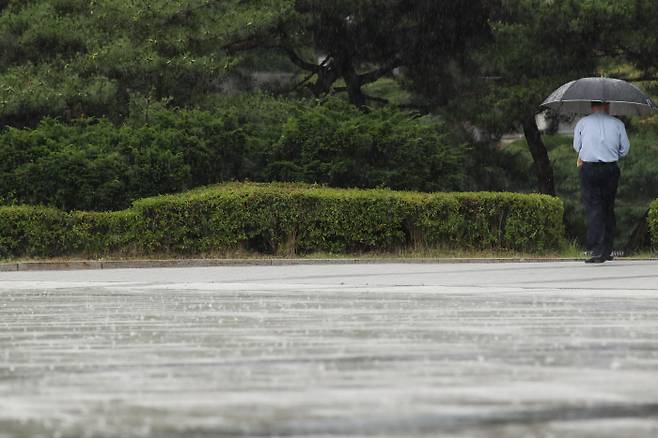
x: 599, y: 183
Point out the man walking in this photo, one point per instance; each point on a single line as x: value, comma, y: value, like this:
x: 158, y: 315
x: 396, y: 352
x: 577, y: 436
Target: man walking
x: 600, y: 140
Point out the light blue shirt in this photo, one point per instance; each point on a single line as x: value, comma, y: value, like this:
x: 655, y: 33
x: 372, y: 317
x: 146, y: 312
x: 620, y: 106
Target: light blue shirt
x: 600, y: 137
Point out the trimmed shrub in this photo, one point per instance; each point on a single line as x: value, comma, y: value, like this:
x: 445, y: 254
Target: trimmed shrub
x: 338, y: 145
x: 34, y: 232
x: 92, y: 164
x: 653, y: 223
x: 288, y: 219
x: 104, y: 233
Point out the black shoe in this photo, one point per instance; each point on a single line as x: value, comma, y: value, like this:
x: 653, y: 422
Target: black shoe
x: 596, y: 259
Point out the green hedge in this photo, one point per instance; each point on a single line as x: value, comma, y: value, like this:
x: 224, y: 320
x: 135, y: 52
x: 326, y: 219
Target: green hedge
x: 653, y: 223
x: 92, y: 164
x: 288, y: 219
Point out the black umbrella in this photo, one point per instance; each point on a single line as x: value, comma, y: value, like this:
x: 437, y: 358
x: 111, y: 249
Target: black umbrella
x: 576, y: 97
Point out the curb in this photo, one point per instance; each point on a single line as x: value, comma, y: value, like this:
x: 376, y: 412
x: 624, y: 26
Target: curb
x: 206, y: 263
x: 199, y: 263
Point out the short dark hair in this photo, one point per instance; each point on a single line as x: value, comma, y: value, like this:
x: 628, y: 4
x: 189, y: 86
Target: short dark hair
x: 599, y: 103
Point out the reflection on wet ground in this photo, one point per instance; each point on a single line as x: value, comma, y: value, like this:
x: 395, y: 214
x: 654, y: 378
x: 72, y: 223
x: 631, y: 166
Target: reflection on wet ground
x: 220, y: 352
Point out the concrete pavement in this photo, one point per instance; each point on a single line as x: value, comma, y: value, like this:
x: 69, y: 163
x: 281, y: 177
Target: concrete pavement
x: 467, y: 350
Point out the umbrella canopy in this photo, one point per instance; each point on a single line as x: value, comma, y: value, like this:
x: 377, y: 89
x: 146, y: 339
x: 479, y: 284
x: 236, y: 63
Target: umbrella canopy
x: 576, y: 97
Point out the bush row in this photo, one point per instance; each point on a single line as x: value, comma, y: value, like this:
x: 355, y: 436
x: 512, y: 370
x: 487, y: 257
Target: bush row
x: 92, y: 164
x: 287, y: 219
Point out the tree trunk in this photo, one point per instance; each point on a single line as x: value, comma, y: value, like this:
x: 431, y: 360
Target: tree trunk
x: 545, y: 180
x: 354, y: 92
x: 326, y: 77
x: 354, y: 84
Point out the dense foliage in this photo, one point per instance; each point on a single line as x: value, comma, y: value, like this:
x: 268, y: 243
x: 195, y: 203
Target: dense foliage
x: 361, y: 41
x: 91, y: 164
x: 288, y: 219
x: 106, y: 101
x: 338, y: 145
x: 66, y: 58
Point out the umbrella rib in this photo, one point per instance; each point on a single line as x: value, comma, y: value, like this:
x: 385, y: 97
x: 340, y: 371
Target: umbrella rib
x: 587, y: 100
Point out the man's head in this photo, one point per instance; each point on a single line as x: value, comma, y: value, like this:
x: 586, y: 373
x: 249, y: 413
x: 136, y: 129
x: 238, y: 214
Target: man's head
x: 600, y: 107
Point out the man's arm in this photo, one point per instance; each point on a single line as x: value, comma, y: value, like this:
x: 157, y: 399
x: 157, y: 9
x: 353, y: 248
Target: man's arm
x: 624, y: 143
x: 578, y: 142
x: 577, y: 137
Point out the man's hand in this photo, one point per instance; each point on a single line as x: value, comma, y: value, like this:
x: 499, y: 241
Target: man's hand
x: 579, y: 163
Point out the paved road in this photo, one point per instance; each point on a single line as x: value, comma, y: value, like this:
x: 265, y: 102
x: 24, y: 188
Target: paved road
x: 479, y: 350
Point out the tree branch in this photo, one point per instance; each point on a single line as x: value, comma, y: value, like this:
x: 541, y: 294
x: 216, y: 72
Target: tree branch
x: 254, y: 43
x: 367, y: 78
x: 376, y: 99
x: 306, y: 79
x: 298, y: 61
x: 242, y: 45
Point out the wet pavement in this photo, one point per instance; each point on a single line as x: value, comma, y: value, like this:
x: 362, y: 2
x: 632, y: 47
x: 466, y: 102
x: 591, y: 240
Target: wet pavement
x: 396, y: 350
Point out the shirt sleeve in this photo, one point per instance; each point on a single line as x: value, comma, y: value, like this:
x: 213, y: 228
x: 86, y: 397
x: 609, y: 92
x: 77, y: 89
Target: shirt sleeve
x: 577, y: 137
x: 624, y: 143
